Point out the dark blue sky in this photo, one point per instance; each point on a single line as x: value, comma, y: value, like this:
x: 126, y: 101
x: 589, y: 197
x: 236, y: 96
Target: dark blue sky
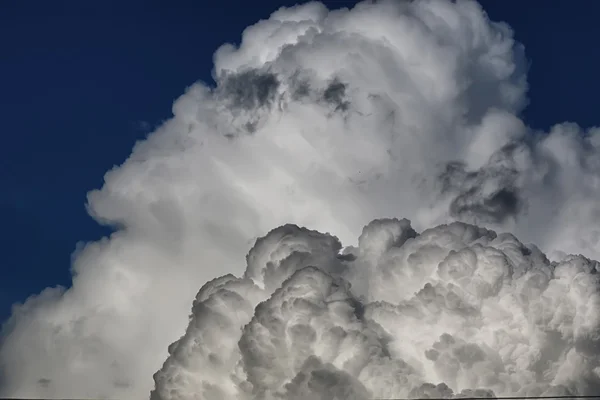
x: 77, y: 81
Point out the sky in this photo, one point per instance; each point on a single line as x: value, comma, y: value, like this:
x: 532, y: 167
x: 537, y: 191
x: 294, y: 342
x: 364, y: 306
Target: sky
x: 81, y: 83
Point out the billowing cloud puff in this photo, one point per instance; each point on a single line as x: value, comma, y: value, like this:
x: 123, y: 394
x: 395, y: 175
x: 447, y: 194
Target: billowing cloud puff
x: 454, y: 311
x: 332, y: 119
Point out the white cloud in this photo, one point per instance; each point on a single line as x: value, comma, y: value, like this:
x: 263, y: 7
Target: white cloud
x: 455, y: 310
x: 328, y: 119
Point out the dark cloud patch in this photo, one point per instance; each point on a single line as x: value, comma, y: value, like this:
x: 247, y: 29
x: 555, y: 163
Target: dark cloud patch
x: 496, y: 207
x: 250, y: 89
x: 301, y: 90
x: 44, y: 382
x: 251, y: 126
x: 247, y: 98
x: 335, y: 94
x: 346, y: 257
x: 488, y: 195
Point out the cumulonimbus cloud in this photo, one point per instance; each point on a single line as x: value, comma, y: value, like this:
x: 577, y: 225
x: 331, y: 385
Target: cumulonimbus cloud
x: 330, y: 120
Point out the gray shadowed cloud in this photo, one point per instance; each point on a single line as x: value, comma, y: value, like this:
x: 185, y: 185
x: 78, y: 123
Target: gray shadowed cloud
x: 249, y: 89
x: 487, y: 195
x: 335, y: 94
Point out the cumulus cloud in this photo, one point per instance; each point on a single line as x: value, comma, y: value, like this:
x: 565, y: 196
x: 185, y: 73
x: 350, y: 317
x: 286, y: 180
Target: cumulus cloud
x: 331, y: 119
x: 455, y: 311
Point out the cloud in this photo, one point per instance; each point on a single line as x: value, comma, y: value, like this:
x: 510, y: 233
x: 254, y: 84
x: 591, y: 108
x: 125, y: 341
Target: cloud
x: 330, y: 120
x: 492, y: 317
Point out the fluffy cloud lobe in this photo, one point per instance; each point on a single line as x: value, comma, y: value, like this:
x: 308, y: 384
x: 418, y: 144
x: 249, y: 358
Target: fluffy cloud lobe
x: 454, y: 310
x: 330, y: 120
